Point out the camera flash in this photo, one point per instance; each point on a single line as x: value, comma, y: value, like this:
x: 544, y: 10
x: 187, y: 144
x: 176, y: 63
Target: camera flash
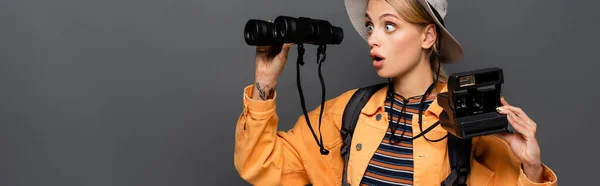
x: 467, y: 80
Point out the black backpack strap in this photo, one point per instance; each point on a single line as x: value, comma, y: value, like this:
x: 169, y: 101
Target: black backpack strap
x: 350, y: 118
x: 459, y: 152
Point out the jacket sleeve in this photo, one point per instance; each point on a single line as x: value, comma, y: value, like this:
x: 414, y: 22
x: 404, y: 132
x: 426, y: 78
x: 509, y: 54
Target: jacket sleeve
x: 265, y: 156
x: 495, y: 154
x: 262, y: 155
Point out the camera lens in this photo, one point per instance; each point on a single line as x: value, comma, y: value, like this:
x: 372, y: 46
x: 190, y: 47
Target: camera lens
x: 461, y: 103
x: 477, y: 103
x: 259, y: 33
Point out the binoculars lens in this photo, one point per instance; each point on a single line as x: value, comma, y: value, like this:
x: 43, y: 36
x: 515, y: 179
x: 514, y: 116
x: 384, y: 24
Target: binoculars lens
x: 259, y: 33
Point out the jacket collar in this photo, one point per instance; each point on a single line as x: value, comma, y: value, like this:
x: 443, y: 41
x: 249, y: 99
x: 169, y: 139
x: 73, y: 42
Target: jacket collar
x: 377, y: 102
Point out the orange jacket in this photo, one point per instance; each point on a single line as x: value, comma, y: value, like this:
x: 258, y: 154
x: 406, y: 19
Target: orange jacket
x: 265, y: 156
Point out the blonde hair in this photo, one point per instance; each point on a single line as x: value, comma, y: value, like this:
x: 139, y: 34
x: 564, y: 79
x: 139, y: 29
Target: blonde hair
x: 412, y: 12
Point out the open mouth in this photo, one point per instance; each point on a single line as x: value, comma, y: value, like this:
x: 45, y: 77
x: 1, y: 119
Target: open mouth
x: 377, y: 60
x: 376, y: 57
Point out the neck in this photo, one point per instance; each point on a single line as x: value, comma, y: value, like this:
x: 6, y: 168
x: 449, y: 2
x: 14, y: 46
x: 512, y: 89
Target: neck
x: 415, y: 82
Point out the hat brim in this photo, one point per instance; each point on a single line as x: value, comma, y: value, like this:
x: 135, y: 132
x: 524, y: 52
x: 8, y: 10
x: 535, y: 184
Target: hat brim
x: 451, y: 51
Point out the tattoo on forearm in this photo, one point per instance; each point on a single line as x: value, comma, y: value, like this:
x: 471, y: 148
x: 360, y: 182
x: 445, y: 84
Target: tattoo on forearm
x: 265, y: 92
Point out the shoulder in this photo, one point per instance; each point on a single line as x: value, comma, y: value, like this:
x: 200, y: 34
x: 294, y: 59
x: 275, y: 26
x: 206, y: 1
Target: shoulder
x: 337, y: 104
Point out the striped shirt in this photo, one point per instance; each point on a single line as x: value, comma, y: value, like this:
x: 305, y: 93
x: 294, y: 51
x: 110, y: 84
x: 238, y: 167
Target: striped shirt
x: 392, y: 163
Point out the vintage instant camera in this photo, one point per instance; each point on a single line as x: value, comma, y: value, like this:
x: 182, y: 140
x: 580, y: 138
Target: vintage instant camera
x: 469, y: 106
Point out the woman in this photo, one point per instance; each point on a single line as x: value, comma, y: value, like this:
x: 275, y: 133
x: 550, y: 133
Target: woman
x: 408, y: 43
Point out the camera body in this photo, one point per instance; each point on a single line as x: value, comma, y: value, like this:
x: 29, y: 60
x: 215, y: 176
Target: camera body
x: 469, y: 106
x: 287, y: 29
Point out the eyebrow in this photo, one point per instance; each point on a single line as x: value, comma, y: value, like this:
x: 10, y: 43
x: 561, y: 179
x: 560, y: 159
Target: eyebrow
x: 384, y: 15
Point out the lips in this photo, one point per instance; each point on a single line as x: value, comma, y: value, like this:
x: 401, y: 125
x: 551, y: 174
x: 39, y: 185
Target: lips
x: 377, y: 59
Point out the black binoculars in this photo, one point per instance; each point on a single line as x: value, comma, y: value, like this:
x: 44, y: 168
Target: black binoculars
x: 292, y: 30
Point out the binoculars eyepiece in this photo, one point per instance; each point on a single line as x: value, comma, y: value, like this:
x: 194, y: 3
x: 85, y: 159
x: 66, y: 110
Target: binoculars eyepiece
x: 292, y: 30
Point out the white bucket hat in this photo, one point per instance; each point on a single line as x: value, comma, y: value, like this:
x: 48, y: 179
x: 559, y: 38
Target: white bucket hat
x: 451, y: 51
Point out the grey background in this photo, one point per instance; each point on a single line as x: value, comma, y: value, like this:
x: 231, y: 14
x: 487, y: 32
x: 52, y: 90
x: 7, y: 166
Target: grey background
x: 132, y: 92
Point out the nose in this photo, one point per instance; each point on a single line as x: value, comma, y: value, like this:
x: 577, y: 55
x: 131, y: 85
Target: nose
x: 373, y: 39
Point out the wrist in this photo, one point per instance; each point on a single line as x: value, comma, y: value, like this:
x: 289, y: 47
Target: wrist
x: 264, y: 89
x: 533, y: 171
x: 264, y: 79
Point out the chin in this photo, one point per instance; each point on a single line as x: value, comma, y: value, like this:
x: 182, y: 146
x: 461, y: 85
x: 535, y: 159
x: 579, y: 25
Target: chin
x: 384, y: 74
x: 390, y: 73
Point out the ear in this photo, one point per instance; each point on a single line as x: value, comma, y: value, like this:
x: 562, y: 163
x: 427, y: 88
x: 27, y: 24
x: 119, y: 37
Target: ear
x: 429, y: 36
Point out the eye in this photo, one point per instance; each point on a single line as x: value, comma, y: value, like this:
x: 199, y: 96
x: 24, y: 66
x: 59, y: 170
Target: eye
x: 369, y: 27
x: 390, y: 27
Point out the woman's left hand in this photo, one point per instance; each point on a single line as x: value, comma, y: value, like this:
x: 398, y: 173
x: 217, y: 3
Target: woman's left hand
x: 523, y: 142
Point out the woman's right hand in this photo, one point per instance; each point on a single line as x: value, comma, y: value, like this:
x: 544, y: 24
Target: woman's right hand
x: 270, y: 61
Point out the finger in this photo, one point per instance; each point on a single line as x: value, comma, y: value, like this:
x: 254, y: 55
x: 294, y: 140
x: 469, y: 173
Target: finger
x: 503, y: 101
x: 522, y: 117
x: 520, y: 127
x: 520, y: 113
x: 262, y: 49
x: 516, y: 110
x: 504, y: 110
x: 517, y: 120
x: 275, y: 50
x: 285, y: 49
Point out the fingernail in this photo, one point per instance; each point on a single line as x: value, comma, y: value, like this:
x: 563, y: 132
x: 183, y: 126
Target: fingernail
x: 499, y: 109
x: 502, y: 97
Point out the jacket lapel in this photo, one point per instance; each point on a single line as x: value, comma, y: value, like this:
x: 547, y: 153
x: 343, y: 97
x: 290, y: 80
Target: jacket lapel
x: 428, y: 156
x: 368, y: 135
